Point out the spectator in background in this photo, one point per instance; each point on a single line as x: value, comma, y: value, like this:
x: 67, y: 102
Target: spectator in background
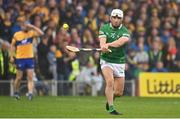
x: 41, y: 10
x: 155, y: 54
x: 62, y: 9
x: 95, y: 5
x: 61, y: 65
x: 15, y: 27
x: 159, y: 67
x: 49, y: 36
x: 2, y: 12
x: 154, y: 33
x: 177, y: 34
x: 91, y: 77
x: 130, y: 58
x: 128, y: 23
x: 4, y: 60
x: 37, y: 21
x: 108, y: 5
x: 7, y: 70
x: 74, y: 66
x: 90, y: 21
x: 52, y: 4
x: 62, y: 36
x: 140, y: 40
x: 141, y: 55
x: 50, y: 31
x: 69, y: 17
x: 78, y: 18
x: 141, y: 60
x: 5, y: 27
x: 106, y: 19
x: 141, y: 31
x: 171, y: 52
x: 166, y: 34
x: 43, y: 62
x: 88, y: 38
x: 75, y: 38
x: 52, y: 61
x: 55, y: 17
x: 176, y: 66
x: 101, y: 14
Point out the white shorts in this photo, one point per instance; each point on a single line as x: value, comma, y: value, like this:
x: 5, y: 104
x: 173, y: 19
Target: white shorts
x: 118, y: 69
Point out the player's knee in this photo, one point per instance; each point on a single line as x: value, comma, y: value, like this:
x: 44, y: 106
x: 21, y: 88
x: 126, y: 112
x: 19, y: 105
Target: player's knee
x: 110, y: 83
x: 30, y: 74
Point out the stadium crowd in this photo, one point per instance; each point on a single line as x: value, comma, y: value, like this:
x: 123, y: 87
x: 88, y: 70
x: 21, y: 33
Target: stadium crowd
x: 154, y: 26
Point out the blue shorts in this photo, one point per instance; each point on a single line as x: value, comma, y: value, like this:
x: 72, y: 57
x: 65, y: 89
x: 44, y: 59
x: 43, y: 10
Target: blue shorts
x: 23, y: 64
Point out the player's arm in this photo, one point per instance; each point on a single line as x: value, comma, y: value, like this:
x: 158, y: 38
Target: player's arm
x: 103, y: 40
x: 103, y: 44
x: 117, y: 43
x: 39, y: 31
x: 12, y: 50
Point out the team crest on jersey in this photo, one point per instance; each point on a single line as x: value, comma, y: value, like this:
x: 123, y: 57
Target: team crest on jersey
x: 113, y: 35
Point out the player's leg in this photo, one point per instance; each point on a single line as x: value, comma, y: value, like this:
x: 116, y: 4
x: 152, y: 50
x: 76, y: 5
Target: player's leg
x: 119, y: 79
x: 108, y: 75
x: 30, y: 83
x: 119, y: 73
x: 30, y: 73
x: 30, y: 80
x: 17, y: 82
x: 118, y: 86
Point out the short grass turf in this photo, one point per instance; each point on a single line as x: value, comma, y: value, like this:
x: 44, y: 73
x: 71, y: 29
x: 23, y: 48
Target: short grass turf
x: 89, y: 107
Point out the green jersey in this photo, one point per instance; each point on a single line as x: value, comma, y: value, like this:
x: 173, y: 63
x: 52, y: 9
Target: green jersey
x: 118, y: 54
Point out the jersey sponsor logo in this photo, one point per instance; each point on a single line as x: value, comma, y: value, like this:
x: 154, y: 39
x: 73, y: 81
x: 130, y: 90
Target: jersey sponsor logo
x: 24, y: 42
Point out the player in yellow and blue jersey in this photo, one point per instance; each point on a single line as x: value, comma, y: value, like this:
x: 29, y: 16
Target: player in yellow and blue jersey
x: 22, y: 47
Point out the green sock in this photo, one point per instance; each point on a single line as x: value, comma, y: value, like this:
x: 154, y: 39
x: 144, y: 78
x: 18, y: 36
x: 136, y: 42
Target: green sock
x: 111, y: 108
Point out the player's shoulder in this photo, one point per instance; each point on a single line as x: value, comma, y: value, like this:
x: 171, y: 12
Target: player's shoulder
x: 106, y: 25
x: 125, y: 31
x: 18, y: 33
x: 124, y: 27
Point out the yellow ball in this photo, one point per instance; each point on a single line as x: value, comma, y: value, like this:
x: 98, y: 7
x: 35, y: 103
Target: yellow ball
x: 66, y: 26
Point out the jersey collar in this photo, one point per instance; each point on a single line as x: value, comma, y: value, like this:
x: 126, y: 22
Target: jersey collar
x: 113, y: 27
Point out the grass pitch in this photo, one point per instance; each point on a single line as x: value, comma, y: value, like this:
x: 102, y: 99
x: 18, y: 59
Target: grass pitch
x: 88, y: 107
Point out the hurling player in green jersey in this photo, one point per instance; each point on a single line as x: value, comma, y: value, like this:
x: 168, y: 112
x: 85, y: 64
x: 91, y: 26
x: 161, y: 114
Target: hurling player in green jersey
x: 113, y: 36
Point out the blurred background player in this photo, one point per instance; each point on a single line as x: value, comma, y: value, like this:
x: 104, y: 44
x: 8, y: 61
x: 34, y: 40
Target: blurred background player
x: 22, y: 44
x: 114, y: 36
